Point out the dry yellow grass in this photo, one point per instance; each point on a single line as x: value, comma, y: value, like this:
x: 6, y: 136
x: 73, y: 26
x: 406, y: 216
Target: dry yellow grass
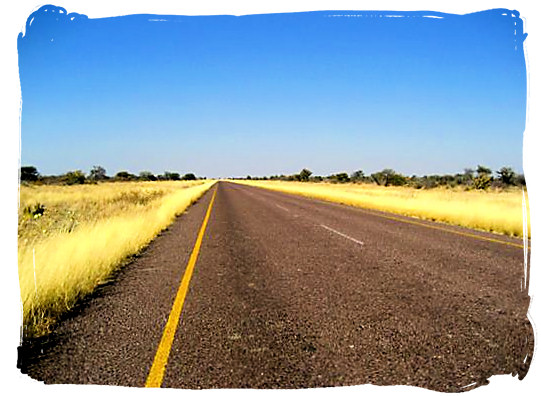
x: 83, y: 235
x: 494, y: 211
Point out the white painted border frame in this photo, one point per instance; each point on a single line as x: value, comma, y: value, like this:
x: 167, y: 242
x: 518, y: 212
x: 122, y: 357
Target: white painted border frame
x: 13, y: 21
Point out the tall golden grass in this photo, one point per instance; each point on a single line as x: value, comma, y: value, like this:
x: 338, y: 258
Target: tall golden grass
x: 83, y: 235
x: 498, y: 211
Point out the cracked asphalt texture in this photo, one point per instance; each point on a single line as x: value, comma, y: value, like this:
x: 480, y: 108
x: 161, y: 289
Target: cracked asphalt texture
x: 279, y: 301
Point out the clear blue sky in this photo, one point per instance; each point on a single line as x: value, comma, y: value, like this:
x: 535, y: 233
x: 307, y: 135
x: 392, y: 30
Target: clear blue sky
x: 269, y: 94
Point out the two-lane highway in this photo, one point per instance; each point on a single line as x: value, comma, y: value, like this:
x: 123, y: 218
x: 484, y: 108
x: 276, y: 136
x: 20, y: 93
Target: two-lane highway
x: 289, y: 292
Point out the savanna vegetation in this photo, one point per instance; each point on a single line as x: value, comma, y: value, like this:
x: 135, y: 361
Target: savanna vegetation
x: 75, y: 233
x: 483, y: 178
x: 30, y: 174
x: 474, y: 199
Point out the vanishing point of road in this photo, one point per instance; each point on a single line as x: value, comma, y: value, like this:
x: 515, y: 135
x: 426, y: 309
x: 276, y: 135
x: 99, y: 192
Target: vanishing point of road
x: 252, y: 288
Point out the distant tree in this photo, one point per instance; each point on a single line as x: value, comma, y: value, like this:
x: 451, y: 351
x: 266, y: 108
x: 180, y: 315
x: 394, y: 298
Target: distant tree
x: 506, y: 175
x: 467, y: 177
x: 397, y: 180
x: 416, y: 182
x: 483, y: 170
x: 171, y: 175
x: 459, y: 178
x: 29, y: 173
x: 339, y: 177
x: 454, y: 181
x: 358, y: 175
x: 248, y: 177
x: 97, y: 173
x: 74, y: 177
x: 304, y: 175
x: 447, y: 180
x: 382, y: 178
x: 378, y: 178
x: 147, y: 176
x: 388, y: 177
x: 429, y: 181
x: 189, y: 176
x: 125, y: 176
x: 295, y: 177
x: 483, y: 179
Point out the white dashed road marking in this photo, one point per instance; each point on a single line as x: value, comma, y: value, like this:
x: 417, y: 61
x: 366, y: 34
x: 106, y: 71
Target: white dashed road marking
x: 342, y: 235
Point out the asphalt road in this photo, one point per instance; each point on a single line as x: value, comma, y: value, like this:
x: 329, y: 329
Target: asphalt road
x: 289, y: 292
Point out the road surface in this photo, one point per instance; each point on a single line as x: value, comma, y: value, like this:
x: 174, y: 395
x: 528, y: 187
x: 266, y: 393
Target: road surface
x: 289, y: 292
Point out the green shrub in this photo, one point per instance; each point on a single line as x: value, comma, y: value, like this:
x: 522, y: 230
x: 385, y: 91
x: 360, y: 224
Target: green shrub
x: 74, y: 177
x: 29, y: 173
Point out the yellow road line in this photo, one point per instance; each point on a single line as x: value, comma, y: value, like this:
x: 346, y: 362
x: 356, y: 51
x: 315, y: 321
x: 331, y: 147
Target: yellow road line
x: 447, y: 230
x: 157, y: 371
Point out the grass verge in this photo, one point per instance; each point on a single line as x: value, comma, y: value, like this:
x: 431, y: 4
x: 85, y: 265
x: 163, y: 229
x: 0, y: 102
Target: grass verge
x: 493, y: 211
